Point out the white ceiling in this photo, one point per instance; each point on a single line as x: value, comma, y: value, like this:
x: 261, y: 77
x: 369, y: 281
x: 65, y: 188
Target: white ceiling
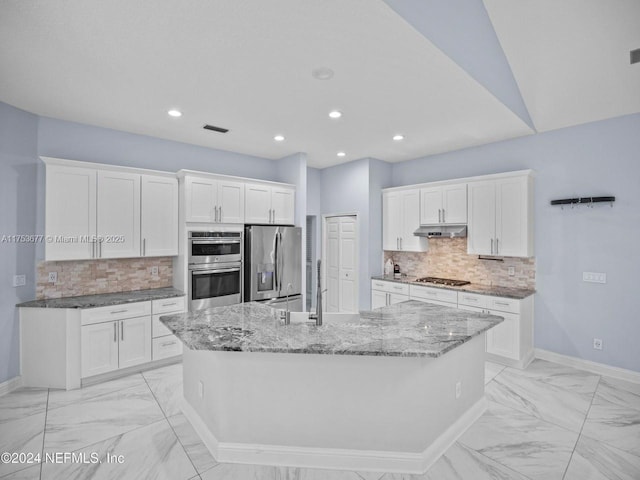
x: 247, y: 66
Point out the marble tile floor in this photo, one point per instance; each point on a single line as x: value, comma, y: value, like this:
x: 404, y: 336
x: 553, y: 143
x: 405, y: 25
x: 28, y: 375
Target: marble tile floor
x: 547, y: 422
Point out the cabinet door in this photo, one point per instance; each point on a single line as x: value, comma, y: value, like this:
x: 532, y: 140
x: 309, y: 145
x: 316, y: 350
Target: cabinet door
x: 201, y: 199
x: 70, y: 207
x: 397, y: 298
x: 378, y: 299
x: 410, y: 214
x: 391, y: 220
x: 135, y: 341
x: 118, y: 217
x: 159, y: 216
x: 231, y: 202
x: 512, y: 217
x: 283, y: 204
x: 504, y: 338
x: 257, y: 203
x: 99, y: 348
x: 454, y: 204
x: 482, y: 218
x: 431, y: 206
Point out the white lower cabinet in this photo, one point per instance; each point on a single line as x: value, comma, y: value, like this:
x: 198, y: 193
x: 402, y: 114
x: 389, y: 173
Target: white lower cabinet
x: 117, y: 344
x: 165, y: 344
x: 509, y: 343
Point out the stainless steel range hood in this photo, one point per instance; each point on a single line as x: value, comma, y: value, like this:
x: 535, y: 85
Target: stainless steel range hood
x: 441, y: 231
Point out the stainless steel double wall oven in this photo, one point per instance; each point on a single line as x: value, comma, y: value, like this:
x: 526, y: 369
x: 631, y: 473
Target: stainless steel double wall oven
x: 215, y: 268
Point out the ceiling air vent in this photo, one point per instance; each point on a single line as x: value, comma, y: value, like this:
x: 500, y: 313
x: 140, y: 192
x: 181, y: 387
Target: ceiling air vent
x: 635, y: 56
x: 216, y: 129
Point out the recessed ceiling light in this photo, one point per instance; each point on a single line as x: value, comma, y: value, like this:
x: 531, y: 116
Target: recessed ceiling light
x: 174, y: 113
x: 397, y: 138
x: 322, y: 73
x: 341, y: 154
x: 335, y: 114
x: 278, y: 138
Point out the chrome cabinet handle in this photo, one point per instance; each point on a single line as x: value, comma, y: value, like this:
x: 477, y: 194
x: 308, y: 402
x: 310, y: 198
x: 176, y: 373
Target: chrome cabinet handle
x: 220, y: 215
x: 439, y: 215
x: 443, y: 220
x: 122, y: 331
x: 144, y: 247
x: 492, y: 246
x: 169, y: 304
x: 501, y: 303
x: 166, y: 344
x: 497, y: 249
x: 115, y: 332
x: 400, y: 243
x: 119, y: 311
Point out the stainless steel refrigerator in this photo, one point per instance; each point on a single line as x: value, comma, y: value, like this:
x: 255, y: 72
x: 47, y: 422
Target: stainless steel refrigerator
x: 273, y: 266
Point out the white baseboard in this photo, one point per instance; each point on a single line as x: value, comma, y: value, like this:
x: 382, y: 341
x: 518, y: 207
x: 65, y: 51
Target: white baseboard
x: 589, y: 366
x: 333, y: 458
x: 10, y: 385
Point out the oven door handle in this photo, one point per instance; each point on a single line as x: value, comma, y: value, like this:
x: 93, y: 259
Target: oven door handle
x: 209, y: 272
x: 213, y: 242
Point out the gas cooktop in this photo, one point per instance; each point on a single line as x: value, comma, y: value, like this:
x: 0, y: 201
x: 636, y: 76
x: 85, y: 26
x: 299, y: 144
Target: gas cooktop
x: 442, y: 281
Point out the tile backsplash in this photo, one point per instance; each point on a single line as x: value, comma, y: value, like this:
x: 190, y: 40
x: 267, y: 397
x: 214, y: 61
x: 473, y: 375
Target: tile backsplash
x: 88, y: 277
x: 448, y: 258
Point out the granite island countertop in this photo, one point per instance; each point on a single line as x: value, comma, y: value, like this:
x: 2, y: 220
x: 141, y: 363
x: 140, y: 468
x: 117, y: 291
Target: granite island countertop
x: 490, y: 290
x: 407, y: 329
x: 104, y: 299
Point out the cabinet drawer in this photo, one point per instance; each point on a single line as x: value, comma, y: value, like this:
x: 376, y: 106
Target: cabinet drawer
x: 90, y: 316
x: 167, y: 305
x: 474, y: 300
x: 165, y: 347
x: 390, y: 287
x: 435, y: 302
x: 429, y: 293
x: 504, y: 304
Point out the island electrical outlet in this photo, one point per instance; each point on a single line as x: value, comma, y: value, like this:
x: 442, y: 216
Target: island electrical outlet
x: 597, y: 343
x: 458, y: 389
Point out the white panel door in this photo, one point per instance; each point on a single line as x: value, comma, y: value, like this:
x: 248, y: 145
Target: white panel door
x: 231, y: 202
x: 348, y: 296
x: 333, y: 264
x: 431, y: 205
x: 257, y: 203
x: 504, y: 338
x: 283, y: 205
x: 135, y: 341
x: 201, y: 199
x: 391, y: 220
x: 482, y: 218
x: 159, y: 216
x: 70, y: 211
x: 118, y: 217
x: 511, y: 217
x: 410, y: 214
x: 454, y: 204
x: 99, y: 348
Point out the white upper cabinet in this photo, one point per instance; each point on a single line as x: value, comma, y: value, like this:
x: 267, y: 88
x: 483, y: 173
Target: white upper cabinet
x: 159, y: 216
x: 70, y: 212
x: 214, y: 201
x: 266, y: 204
x: 107, y: 212
x: 400, y: 218
x: 501, y: 217
x: 446, y: 204
x: 118, y: 214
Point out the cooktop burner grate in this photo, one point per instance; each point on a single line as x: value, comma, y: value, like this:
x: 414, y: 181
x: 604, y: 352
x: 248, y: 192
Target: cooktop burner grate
x: 443, y: 281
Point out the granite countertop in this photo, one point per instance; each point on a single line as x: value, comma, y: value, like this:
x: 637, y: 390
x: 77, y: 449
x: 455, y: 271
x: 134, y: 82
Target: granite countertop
x: 407, y: 329
x: 104, y: 299
x: 494, y: 291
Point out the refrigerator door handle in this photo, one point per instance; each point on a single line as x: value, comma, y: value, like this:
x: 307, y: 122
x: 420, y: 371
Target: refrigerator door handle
x: 275, y: 263
x: 281, y: 258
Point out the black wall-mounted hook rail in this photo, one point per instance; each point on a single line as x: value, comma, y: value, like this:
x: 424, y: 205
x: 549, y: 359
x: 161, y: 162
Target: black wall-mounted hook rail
x: 583, y: 201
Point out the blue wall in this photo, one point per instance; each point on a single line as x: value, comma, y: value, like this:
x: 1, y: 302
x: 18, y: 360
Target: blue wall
x: 18, y: 198
x: 600, y: 158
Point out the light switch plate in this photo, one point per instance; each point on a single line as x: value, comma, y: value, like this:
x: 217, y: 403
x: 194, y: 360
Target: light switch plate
x: 19, y: 280
x: 594, y: 277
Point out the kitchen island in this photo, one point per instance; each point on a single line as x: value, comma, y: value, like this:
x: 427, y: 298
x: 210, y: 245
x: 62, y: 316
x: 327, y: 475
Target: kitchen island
x: 386, y: 390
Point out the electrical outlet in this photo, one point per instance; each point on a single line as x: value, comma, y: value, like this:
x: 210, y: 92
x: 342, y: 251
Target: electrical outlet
x: 458, y: 389
x: 597, y: 343
x: 511, y: 271
x: 594, y: 277
x: 201, y: 389
x: 53, y: 277
x: 19, y: 280
x: 154, y: 270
